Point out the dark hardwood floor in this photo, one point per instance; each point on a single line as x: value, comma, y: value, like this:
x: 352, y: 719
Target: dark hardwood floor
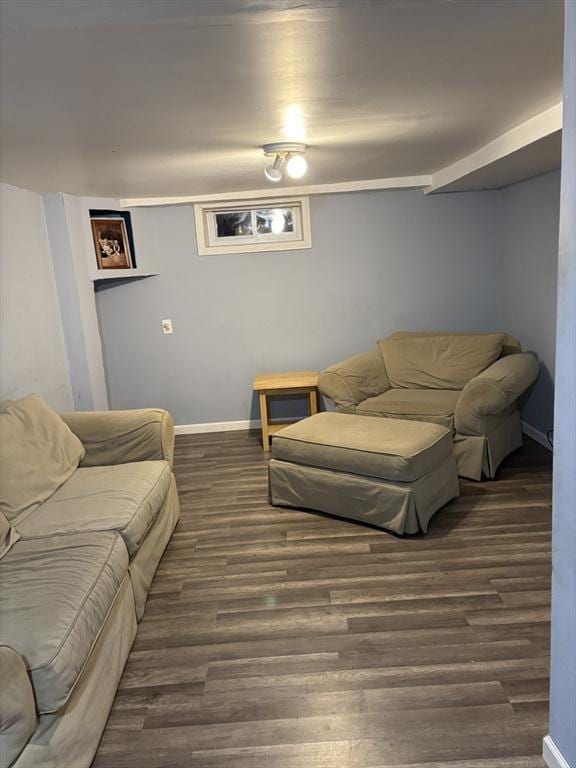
x: 275, y: 638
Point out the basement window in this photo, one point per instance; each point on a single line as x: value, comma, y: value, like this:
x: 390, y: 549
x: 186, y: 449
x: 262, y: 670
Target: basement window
x: 252, y: 226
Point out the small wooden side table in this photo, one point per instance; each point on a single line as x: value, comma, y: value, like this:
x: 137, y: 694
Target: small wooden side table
x: 278, y: 384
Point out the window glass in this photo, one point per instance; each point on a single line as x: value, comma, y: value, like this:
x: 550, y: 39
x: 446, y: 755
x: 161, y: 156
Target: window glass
x: 274, y: 221
x: 233, y: 223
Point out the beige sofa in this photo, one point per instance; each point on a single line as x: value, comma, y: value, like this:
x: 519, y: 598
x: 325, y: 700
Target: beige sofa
x: 88, y: 503
x: 467, y: 382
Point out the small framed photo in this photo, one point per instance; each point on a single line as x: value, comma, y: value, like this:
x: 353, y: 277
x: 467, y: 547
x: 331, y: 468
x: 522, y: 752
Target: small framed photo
x: 111, y: 243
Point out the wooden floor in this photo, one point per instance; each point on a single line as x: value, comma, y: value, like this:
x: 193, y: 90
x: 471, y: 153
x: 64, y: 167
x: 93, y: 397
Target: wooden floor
x: 276, y: 638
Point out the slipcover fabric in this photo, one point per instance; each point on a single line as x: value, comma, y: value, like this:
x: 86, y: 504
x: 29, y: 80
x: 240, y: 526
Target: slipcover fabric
x: 494, y: 392
x: 55, y: 596
x: 17, y: 710
x: 69, y: 600
x: 145, y: 561
x: 479, y: 455
x: 125, y: 498
x: 8, y: 536
x: 403, y: 508
x: 123, y: 437
x: 69, y: 738
x: 352, y: 381
x: 387, y: 449
x: 511, y: 345
x: 482, y: 411
x: 38, y: 453
x: 439, y: 362
x: 436, y: 406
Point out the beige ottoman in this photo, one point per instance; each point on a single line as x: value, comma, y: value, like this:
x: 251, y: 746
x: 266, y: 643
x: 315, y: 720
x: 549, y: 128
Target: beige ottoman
x: 388, y: 472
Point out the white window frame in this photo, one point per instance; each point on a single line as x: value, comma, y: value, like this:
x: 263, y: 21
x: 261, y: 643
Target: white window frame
x: 210, y: 244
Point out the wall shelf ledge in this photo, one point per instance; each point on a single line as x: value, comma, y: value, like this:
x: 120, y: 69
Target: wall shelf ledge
x: 116, y: 278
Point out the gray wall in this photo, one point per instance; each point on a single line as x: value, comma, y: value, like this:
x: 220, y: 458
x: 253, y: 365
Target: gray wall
x: 66, y: 219
x: 69, y: 300
x: 563, y: 665
x: 529, y: 254
x: 380, y: 261
x: 31, y: 341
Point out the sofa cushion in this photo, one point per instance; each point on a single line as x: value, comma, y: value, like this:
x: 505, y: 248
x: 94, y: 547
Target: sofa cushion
x: 439, y: 362
x: 8, y: 536
x: 38, y: 453
x: 433, y: 405
x: 17, y: 708
x: 54, y: 599
x: 125, y: 498
x: 389, y: 449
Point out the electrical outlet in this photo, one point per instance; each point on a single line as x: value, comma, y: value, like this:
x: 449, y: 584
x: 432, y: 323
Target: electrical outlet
x: 167, y: 326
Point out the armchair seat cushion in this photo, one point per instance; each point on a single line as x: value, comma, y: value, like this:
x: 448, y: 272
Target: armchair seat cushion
x: 433, y: 405
x: 125, y: 498
x: 55, y: 596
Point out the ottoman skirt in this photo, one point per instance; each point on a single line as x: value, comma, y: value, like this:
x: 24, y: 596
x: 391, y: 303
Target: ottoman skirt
x: 398, y: 507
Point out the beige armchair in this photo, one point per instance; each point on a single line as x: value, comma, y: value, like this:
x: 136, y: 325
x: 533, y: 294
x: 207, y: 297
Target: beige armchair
x: 469, y: 383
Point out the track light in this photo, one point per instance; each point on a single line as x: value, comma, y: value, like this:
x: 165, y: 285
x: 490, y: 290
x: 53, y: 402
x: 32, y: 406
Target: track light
x: 288, y: 154
x: 274, y: 172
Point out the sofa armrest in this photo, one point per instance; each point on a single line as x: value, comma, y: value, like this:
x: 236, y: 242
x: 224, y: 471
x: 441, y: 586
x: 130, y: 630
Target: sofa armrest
x: 120, y: 437
x: 353, y: 380
x: 17, y: 709
x: 494, y: 391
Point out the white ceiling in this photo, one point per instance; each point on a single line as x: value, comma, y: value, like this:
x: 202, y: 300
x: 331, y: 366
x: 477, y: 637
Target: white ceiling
x: 137, y: 98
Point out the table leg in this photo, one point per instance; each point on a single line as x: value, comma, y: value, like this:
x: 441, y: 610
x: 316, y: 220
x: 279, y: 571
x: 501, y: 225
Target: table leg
x: 264, y: 419
x: 313, y: 402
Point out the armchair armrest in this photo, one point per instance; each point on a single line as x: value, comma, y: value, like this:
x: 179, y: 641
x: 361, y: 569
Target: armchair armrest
x: 353, y: 380
x: 17, y: 708
x: 493, y: 391
x: 120, y: 437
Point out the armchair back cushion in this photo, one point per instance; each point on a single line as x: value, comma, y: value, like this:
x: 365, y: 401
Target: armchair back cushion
x: 38, y: 453
x: 440, y: 361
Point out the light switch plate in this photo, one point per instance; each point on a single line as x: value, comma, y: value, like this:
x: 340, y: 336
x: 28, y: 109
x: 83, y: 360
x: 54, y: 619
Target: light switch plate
x: 167, y: 326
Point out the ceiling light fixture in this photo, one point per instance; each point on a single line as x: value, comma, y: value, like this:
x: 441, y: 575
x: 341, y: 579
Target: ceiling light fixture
x: 274, y: 172
x: 286, y: 154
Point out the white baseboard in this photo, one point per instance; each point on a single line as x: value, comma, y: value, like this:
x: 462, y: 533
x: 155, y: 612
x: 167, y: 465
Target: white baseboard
x: 223, y: 426
x: 535, y: 434
x: 216, y: 426
x: 233, y: 426
x: 552, y: 755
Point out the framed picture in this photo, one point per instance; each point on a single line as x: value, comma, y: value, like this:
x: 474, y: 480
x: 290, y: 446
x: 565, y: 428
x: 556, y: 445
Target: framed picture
x: 111, y: 243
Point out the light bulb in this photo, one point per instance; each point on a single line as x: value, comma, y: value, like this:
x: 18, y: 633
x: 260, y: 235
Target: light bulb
x: 278, y: 222
x: 296, y: 166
